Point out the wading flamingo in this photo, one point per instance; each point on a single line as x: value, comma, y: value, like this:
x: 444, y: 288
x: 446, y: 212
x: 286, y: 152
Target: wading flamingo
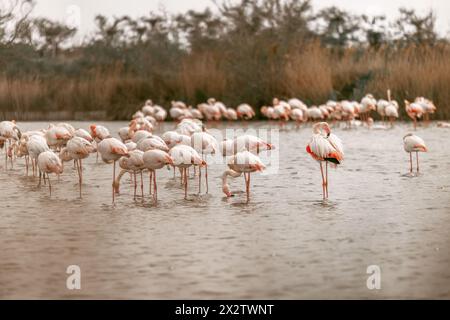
x: 204, y: 144
x: 325, y: 146
x: 112, y: 150
x: 414, y: 111
x: 243, y: 162
x: 183, y: 157
x: 9, y: 132
x: 48, y: 162
x: 413, y: 143
x: 154, y: 160
x: 134, y: 164
x: 78, y: 149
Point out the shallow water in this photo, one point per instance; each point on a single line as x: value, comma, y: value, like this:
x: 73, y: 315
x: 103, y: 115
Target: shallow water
x: 285, y: 243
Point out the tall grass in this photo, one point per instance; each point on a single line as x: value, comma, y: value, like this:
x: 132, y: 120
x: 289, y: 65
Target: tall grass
x: 311, y: 72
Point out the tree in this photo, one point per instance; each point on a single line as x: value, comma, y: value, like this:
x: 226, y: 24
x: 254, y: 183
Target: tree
x: 340, y: 28
x: 53, y: 34
x: 410, y: 27
x: 375, y: 30
x: 14, y: 22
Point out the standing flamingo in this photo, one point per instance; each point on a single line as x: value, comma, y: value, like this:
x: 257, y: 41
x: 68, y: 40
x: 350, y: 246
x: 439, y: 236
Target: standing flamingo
x: 99, y: 133
x: 48, y: 162
x: 242, y: 162
x: 413, y: 143
x: 183, y: 157
x: 78, y: 149
x: 205, y: 144
x: 325, y: 147
x: 154, y: 160
x: 112, y: 150
x: 415, y: 111
x: 9, y: 132
x: 133, y: 163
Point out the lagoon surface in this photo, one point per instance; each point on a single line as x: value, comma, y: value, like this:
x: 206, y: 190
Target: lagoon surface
x: 286, y: 243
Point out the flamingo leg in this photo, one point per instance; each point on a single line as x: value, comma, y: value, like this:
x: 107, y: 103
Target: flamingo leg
x: 6, y: 155
x: 27, y: 159
x: 49, y: 184
x: 155, y: 188
x: 150, y: 181
x: 40, y: 175
x: 410, y: 162
x: 326, y: 178
x: 77, y: 165
x: 248, y: 187
x: 114, y: 178
x: 185, y: 183
x: 135, y: 185
x: 417, y: 159
x: 323, y: 180
x: 206, y: 177
x: 142, y: 187
x: 199, y: 180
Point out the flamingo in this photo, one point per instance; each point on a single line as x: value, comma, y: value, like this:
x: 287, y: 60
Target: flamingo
x: 57, y: 136
x: 205, y: 144
x: 183, y: 157
x: 414, y: 111
x: 148, y: 109
x: 153, y: 142
x: 160, y: 114
x: 139, y: 135
x: 251, y: 143
x: 391, y: 111
x: 443, y: 125
x: 297, y: 104
x: 48, y: 162
x: 83, y: 134
x: 78, y: 149
x: 242, y: 162
x: 9, y: 132
x: 132, y: 163
x: 428, y: 107
x: 154, y: 160
x: 245, y: 111
x: 297, y: 115
x: 368, y: 103
x: 230, y: 114
x: 413, y: 143
x: 111, y: 150
x: 325, y: 147
x: 314, y: 113
x: 36, y: 144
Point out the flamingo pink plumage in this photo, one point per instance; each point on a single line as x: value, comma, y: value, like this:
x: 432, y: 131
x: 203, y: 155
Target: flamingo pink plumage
x: 325, y: 147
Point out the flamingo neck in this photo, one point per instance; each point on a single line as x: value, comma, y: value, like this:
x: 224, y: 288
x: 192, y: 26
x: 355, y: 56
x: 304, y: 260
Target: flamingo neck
x: 225, y: 186
x: 118, y: 178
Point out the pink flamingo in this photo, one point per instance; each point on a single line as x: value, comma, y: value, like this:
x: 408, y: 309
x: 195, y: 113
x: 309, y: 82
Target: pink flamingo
x: 48, y: 162
x: 155, y: 160
x: 78, y: 149
x: 183, y: 157
x: 112, y: 150
x: 325, y: 147
x: 413, y: 143
x: 242, y: 162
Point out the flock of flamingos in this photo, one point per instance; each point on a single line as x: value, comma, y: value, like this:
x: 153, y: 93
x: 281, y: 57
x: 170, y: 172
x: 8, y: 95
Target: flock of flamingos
x: 138, y: 150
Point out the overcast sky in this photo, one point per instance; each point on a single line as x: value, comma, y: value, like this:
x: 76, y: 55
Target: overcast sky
x: 88, y: 9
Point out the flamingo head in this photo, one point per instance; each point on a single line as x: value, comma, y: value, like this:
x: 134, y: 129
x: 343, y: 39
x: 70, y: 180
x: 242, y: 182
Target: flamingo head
x: 226, y: 190
x: 169, y: 160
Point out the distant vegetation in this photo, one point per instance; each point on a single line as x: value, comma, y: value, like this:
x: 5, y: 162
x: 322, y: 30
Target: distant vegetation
x: 247, y: 51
